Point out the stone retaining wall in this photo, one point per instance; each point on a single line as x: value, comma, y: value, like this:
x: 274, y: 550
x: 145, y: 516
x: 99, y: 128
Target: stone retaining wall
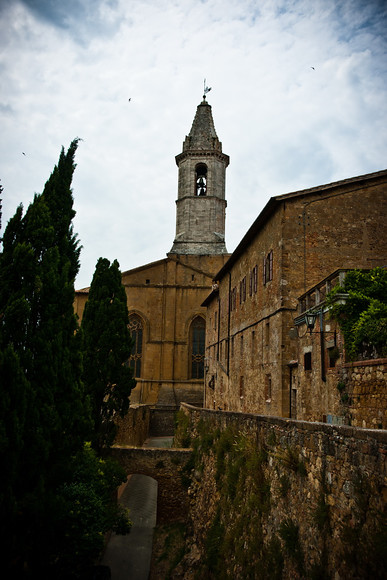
x: 143, y: 421
x: 319, y: 505
x: 367, y: 394
x: 162, y: 421
x: 133, y: 429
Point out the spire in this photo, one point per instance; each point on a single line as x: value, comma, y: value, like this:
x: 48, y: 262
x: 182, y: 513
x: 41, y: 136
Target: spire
x: 202, y: 135
x: 201, y: 203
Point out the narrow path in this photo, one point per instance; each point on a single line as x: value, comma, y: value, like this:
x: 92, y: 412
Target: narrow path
x: 129, y: 556
x: 158, y: 442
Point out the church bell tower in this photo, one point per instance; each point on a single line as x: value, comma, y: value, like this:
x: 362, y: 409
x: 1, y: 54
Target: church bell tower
x: 201, y: 203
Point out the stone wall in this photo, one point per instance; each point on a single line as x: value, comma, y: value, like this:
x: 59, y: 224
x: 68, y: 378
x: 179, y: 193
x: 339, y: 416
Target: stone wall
x: 280, y: 498
x: 162, y: 422
x: 166, y: 467
x: 365, y: 386
x: 133, y: 429
x: 143, y: 421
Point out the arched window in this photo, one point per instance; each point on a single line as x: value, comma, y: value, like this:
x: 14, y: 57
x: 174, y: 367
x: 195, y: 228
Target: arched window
x: 197, y: 344
x: 136, y: 332
x: 201, y: 179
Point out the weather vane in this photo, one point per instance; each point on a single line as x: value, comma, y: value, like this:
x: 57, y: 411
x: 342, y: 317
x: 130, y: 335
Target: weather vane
x: 206, y: 89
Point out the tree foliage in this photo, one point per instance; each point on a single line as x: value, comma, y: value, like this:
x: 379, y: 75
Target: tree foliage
x: 363, y: 315
x: 1, y: 207
x: 84, y: 510
x: 50, y: 485
x: 107, y: 347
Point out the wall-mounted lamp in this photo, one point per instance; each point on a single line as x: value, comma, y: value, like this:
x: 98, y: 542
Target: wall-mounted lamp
x: 310, y: 318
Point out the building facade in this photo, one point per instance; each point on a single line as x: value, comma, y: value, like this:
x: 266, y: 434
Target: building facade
x: 253, y: 359
x: 164, y: 297
x: 324, y: 385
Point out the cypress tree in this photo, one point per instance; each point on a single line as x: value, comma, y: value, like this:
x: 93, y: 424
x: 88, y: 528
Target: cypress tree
x: 40, y: 362
x: 107, y: 347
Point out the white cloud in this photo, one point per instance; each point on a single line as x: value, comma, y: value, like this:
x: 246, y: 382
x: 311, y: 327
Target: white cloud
x: 285, y: 125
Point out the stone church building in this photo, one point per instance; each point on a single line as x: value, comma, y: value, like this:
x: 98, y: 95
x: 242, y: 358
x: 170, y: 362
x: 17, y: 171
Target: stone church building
x: 166, y: 318
x: 227, y: 331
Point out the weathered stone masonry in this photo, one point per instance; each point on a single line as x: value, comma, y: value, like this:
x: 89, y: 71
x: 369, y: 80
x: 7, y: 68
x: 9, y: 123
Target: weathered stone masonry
x: 366, y: 390
x: 336, y: 496
x: 164, y: 465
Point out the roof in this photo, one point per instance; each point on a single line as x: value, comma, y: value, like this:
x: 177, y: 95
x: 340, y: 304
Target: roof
x: 275, y: 202
x: 170, y: 258
x: 202, y: 139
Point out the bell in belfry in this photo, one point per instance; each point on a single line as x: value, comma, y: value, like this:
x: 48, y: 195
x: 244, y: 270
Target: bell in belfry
x: 201, y: 186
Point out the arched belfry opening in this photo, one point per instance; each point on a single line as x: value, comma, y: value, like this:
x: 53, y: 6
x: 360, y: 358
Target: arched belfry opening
x: 201, y: 179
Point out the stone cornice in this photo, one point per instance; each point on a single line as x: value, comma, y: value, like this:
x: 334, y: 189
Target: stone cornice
x: 202, y: 153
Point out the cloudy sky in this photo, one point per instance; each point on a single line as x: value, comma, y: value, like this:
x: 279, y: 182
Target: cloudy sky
x: 299, y: 99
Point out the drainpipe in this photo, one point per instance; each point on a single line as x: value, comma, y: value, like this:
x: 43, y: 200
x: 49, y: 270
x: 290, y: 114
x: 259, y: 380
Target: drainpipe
x: 322, y: 348
x: 218, y: 327
x: 292, y: 364
x: 228, y: 323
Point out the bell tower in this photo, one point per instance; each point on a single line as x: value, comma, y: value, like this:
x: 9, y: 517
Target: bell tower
x: 201, y: 203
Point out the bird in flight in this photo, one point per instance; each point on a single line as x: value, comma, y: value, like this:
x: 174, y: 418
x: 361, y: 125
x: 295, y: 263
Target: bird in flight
x: 23, y: 153
x: 313, y: 67
x: 130, y: 98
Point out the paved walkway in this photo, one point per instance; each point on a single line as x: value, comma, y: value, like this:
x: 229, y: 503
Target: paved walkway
x: 129, y: 556
x: 158, y: 442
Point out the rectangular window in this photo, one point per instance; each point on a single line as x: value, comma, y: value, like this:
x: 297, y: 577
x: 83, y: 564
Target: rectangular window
x: 241, y: 344
x: 241, y: 387
x: 242, y: 290
x: 268, y: 267
x: 268, y: 388
x: 267, y: 333
x: 333, y: 356
x: 255, y: 278
x: 233, y: 299
x: 308, y: 361
x: 251, y: 283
